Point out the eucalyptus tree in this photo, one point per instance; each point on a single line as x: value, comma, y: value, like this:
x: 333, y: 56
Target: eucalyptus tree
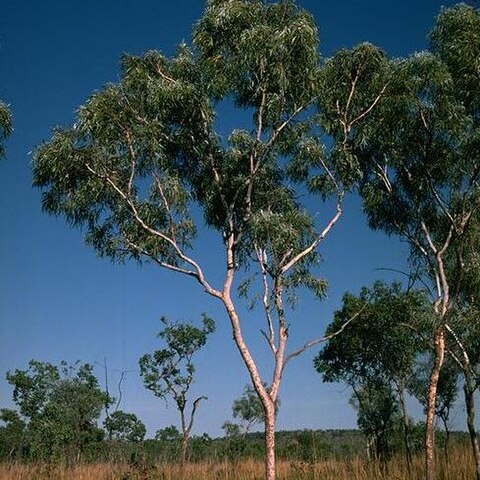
x: 249, y: 410
x: 170, y: 371
x: 144, y: 156
x: 5, y: 125
x: 376, y: 356
x: 447, y: 391
x: 419, y: 153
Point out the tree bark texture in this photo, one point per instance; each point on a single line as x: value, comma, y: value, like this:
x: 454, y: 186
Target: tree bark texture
x: 270, y: 470
x: 439, y: 354
x: 183, y: 451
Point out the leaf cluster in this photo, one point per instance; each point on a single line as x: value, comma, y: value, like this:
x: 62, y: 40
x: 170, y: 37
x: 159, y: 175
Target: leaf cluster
x: 125, y: 427
x: 5, y: 125
x: 59, y: 407
x: 170, y: 370
x: 379, y: 343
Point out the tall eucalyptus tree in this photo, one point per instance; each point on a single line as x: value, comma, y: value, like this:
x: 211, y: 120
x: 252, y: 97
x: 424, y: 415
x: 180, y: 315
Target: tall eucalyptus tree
x: 144, y: 155
x: 419, y: 154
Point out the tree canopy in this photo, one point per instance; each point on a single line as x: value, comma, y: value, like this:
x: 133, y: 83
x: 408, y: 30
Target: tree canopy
x: 58, y: 406
x: 5, y: 125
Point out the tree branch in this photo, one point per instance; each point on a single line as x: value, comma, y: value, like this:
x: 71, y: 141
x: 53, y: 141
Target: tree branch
x: 317, y: 241
x: 194, y: 409
x: 261, y: 255
x: 323, y: 339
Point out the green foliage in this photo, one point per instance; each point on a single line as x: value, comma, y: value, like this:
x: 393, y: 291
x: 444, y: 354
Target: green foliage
x: 376, y: 355
x: 379, y: 417
x: 59, y: 408
x: 13, y: 435
x: 249, y: 410
x: 125, y: 427
x: 170, y: 371
x: 418, y: 147
x: 456, y: 40
x: 5, y: 125
x: 382, y: 320
x: 250, y: 47
x: 144, y: 152
x: 168, y: 434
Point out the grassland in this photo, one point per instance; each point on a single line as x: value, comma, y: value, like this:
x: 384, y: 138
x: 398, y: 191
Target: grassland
x: 459, y: 467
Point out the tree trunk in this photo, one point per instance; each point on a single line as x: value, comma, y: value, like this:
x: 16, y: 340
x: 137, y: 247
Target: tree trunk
x: 406, y: 426
x: 270, y: 473
x: 183, y: 449
x: 470, y: 406
x: 447, y: 440
x: 439, y: 354
x: 185, y: 435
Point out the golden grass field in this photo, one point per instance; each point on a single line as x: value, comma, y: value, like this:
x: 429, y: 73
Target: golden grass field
x: 459, y: 467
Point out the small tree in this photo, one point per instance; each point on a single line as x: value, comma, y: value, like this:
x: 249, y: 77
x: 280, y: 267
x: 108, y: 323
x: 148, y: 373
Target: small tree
x: 378, y: 416
x: 124, y: 427
x: 60, y: 406
x: 13, y: 435
x: 378, y: 349
x: 249, y: 409
x: 170, y: 372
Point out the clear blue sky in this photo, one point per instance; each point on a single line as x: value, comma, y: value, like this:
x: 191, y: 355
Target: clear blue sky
x: 59, y: 301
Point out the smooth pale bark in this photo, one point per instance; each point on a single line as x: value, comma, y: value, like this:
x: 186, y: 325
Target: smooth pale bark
x: 265, y: 396
x: 439, y: 355
x: 270, y: 470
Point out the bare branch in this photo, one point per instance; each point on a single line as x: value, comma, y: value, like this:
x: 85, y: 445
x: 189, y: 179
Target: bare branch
x: 199, y: 275
x: 428, y: 237
x: 285, y: 123
x: 382, y: 174
x: 323, y: 339
x: 119, y: 387
x: 194, y: 409
x: 370, y: 108
x: 133, y: 161
x: 466, y: 365
x: 261, y: 255
x: 317, y: 241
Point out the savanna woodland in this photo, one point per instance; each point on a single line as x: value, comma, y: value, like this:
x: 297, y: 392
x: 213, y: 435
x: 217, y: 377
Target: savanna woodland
x: 147, y: 174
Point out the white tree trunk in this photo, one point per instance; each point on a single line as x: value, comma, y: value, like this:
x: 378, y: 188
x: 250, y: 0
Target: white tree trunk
x: 270, y: 470
x: 439, y: 354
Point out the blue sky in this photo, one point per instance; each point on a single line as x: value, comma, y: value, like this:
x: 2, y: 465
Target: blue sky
x: 59, y: 301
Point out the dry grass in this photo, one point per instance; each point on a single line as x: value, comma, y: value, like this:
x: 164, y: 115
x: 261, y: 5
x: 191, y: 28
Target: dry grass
x: 460, y: 467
